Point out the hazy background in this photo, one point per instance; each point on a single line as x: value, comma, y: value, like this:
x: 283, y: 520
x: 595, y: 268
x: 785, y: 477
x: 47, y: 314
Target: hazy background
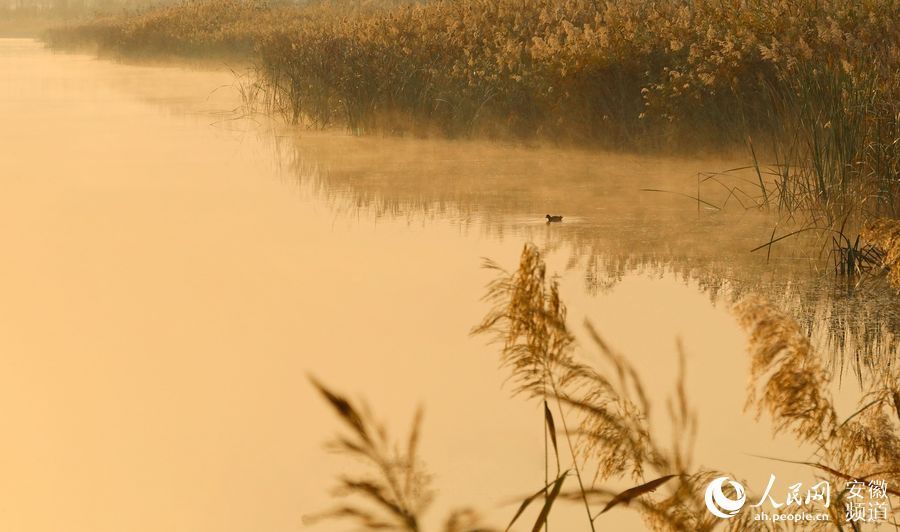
x: 171, y: 278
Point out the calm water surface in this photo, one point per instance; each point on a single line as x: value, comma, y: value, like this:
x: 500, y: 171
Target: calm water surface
x: 170, y: 277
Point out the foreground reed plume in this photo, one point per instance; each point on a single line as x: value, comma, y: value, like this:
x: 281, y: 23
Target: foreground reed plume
x: 609, y: 405
x: 529, y: 320
x: 397, y: 489
x: 789, y: 382
x: 602, y: 411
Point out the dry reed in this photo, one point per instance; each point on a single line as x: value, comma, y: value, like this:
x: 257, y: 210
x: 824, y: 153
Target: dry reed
x: 609, y: 407
x: 789, y: 382
x: 885, y: 233
x: 618, y: 72
x: 396, y: 491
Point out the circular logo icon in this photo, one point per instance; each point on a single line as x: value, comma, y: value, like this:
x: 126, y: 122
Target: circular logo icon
x: 720, y: 504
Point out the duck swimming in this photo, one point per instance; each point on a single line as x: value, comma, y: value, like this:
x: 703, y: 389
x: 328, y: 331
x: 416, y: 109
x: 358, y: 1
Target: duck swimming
x: 554, y: 218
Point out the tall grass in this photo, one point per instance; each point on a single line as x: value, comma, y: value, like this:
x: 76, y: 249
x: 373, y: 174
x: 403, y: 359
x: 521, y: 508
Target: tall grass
x: 606, y: 408
x: 396, y: 491
x: 835, y: 138
x: 836, y: 141
x: 621, y: 73
x: 617, y: 72
x: 529, y: 320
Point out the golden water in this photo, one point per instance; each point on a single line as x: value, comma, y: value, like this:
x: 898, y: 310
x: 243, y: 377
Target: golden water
x: 171, y: 276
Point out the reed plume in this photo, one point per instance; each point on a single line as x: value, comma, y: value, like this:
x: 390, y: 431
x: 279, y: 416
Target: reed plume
x: 609, y: 409
x: 397, y: 486
x: 529, y: 320
x: 789, y: 382
x: 615, y: 437
x: 608, y: 404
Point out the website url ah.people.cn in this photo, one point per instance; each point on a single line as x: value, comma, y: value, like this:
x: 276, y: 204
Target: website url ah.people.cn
x: 793, y: 517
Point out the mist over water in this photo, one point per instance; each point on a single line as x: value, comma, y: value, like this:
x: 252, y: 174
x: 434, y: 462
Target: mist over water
x: 171, y: 277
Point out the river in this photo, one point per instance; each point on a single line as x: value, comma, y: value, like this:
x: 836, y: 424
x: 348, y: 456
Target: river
x: 172, y: 275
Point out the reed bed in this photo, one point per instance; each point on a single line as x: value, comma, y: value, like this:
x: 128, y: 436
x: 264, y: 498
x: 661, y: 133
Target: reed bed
x: 811, y: 86
x: 834, y: 141
x: 620, y: 73
x: 615, y: 71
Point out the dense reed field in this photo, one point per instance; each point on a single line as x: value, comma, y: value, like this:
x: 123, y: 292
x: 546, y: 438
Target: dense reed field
x: 615, y: 70
x: 814, y: 84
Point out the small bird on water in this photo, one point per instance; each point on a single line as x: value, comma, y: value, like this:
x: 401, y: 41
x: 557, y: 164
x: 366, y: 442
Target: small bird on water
x: 554, y: 218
